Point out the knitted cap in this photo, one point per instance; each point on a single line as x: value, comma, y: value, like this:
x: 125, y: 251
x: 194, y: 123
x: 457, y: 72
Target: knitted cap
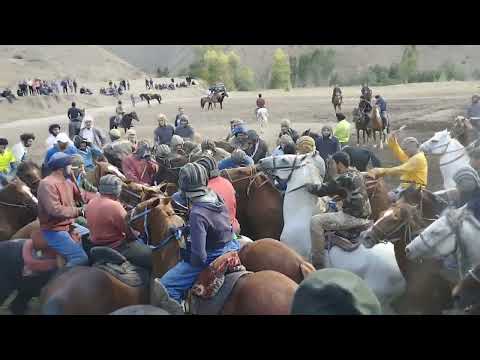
x: 466, y: 179
x: 110, y: 185
x: 334, y: 292
x: 163, y: 150
x: 210, y: 164
x: 193, y: 180
x: 176, y: 140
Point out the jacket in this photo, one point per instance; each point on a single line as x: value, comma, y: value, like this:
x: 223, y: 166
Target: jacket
x: 163, y: 134
x: 225, y: 190
x: 139, y: 171
x: 382, y: 104
x: 228, y: 163
x: 87, y: 156
x: 99, y: 139
x: 359, y: 158
x: 106, y: 221
x: 210, y: 227
x: 74, y: 114
x: 260, y: 102
x: 351, y: 187
x: 413, y: 170
x: 56, y: 203
x: 327, y: 146
x: 6, y: 160
x: 258, y: 151
x: 342, y: 131
x: 185, y: 132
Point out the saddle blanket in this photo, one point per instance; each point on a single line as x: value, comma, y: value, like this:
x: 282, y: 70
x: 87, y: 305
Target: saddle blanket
x: 214, y: 306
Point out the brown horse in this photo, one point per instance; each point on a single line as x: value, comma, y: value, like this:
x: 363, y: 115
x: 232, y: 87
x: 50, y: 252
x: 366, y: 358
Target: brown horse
x: 213, y: 99
x: 337, y: 100
x: 361, y: 124
x: 85, y: 290
x: 31, y: 174
x: 259, y: 203
x: 427, y: 292
x: 466, y: 294
x: 377, y: 126
x: 18, y: 207
x: 462, y: 131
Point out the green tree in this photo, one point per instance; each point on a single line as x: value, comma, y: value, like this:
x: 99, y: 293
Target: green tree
x: 293, y: 70
x: 408, y: 64
x: 246, y: 79
x: 280, y: 77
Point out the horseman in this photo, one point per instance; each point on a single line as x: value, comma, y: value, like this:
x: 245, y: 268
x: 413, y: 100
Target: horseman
x: 233, y: 124
x: 382, y: 105
x: 366, y: 92
x: 282, y: 142
x: 238, y: 158
x: 87, y: 151
x: 117, y: 149
x: 79, y: 173
x: 57, y: 210
x: 257, y: 148
x: 222, y: 187
x: 240, y: 139
x: 119, y: 112
x: 7, y: 161
x: 211, y: 236
x: 349, y: 184
x: 286, y: 128
x: 63, y: 145
x: 176, y: 145
x: 139, y: 167
x: 106, y: 220
x: 473, y: 113
x: 75, y: 117
x: 467, y: 190
x: 414, y: 169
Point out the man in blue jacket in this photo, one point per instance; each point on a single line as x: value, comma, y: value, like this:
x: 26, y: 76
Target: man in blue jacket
x: 238, y: 158
x: 327, y: 144
x: 382, y: 104
x: 211, y: 236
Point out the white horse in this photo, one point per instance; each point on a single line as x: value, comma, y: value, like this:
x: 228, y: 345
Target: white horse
x: 453, y: 155
x: 454, y: 233
x: 262, y: 118
x: 377, y: 266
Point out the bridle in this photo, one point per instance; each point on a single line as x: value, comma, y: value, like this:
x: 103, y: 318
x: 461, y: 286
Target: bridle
x: 173, y: 233
x: 252, y: 177
x: 446, y: 145
x: 297, y: 164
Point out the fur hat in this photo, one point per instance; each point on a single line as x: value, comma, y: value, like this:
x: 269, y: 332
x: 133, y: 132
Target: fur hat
x: 334, y: 292
x: 305, y: 144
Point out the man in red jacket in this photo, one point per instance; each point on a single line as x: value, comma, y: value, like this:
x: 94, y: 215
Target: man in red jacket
x: 139, y: 167
x: 57, y: 210
x: 222, y: 187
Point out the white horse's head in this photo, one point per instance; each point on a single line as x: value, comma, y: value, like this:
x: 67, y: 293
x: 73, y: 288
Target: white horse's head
x: 296, y: 169
x: 437, y: 144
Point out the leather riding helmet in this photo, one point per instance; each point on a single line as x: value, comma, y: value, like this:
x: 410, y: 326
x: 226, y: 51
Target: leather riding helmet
x: 210, y: 164
x: 193, y: 180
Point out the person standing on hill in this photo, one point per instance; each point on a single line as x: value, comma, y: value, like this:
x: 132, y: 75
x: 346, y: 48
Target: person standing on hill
x: 75, y: 117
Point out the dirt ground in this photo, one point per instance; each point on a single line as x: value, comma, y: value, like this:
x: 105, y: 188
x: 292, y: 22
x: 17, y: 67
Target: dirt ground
x: 424, y: 108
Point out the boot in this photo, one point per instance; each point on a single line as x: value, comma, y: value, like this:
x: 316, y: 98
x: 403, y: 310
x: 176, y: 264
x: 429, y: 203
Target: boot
x: 159, y: 297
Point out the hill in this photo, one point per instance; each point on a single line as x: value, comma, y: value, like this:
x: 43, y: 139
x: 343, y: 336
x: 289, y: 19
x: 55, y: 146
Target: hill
x: 350, y: 59
x: 86, y: 63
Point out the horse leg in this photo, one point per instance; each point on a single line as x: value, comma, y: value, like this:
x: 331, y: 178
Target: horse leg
x: 358, y: 137
x: 374, y: 138
x: 221, y: 106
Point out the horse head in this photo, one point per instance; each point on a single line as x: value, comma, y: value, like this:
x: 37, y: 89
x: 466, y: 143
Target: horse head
x: 437, y: 144
x: 16, y: 195
x: 392, y: 224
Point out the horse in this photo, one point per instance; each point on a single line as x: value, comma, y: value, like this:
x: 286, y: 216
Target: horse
x: 262, y: 118
x: 376, y: 266
x: 125, y: 123
x: 259, y: 203
x: 31, y: 174
x: 169, y: 169
x: 426, y: 291
x: 466, y: 294
x: 453, y: 155
x: 18, y: 207
x: 89, y: 290
x: 149, y: 97
x: 361, y: 124
x: 337, y: 101
x: 213, y: 99
x: 377, y: 126
x: 454, y: 233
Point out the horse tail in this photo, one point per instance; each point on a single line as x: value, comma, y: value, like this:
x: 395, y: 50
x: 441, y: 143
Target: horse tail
x: 53, y: 306
x: 374, y: 160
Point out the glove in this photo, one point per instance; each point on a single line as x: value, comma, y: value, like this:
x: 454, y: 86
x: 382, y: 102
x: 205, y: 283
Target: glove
x: 311, y: 188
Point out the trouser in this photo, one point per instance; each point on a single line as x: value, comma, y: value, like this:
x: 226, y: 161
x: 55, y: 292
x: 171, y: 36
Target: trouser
x: 179, y: 279
x: 74, y: 128
x: 61, y: 242
x: 137, y: 253
x: 65, y: 91
x: 30, y: 89
x: 329, y: 221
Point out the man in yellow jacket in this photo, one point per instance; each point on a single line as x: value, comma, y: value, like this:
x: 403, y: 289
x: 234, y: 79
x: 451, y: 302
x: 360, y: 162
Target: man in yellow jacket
x: 414, y: 168
x: 342, y: 130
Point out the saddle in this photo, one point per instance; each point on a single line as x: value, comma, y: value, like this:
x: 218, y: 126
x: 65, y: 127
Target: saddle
x: 114, y: 263
x: 214, y: 284
x: 347, y: 240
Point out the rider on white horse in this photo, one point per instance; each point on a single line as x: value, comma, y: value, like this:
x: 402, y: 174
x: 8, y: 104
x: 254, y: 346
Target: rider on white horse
x: 349, y: 184
x: 414, y: 169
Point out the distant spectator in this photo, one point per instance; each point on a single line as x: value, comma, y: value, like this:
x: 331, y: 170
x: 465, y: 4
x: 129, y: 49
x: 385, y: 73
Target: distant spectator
x: 164, y: 132
x: 19, y: 150
x: 342, y: 130
x: 132, y: 98
x: 260, y: 101
x: 128, y: 86
x: 327, y: 144
x: 283, y: 141
x: 75, y: 86
x: 184, y: 129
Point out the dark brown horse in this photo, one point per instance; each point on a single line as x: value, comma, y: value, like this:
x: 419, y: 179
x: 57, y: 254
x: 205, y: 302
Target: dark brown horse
x: 466, y: 294
x: 213, y: 99
x: 18, y: 207
x: 126, y: 122
x: 427, y: 292
x: 31, y: 174
x: 148, y: 97
x: 361, y: 124
x: 337, y: 100
x: 85, y: 290
x: 462, y: 131
x: 259, y: 203
x: 168, y: 170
